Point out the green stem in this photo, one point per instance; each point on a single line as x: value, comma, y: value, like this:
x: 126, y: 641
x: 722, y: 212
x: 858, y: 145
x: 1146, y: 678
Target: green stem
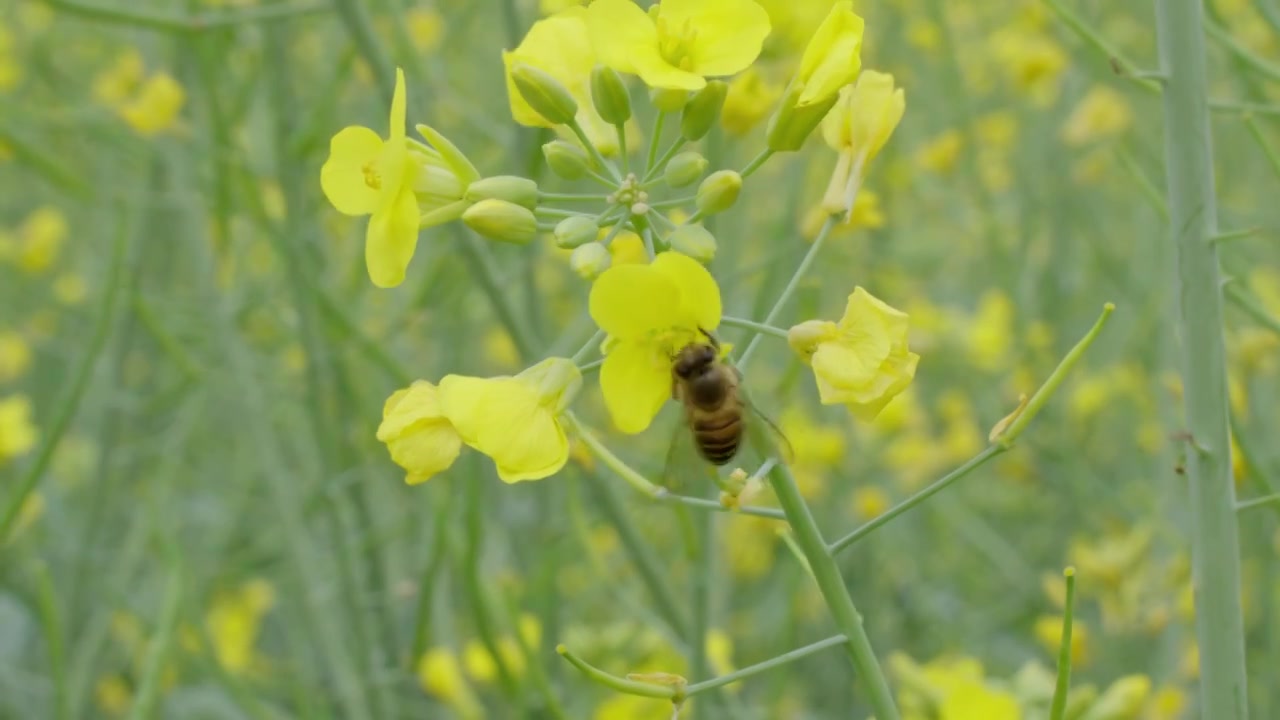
x: 934, y: 488
x: 185, y: 23
x: 600, y: 160
x: 1273, y: 157
x: 591, y: 344
x: 651, y: 158
x: 1095, y: 38
x: 704, y: 504
x: 655, y: 168
x: 71, y: 402
x: 1227, y: 41
x: 572, y: 197
x: 674, y: 202
x: 623, y: 685
x: 157, y: 659
x: 753, y: 325
x: 867, y: 669
x: 1258, y: 502
x: 1250, y: 305
x: 756, y: 162
x: 1236, y: 106
x: 55, y: 641
x: 771, y: 663
x: 622, y: 149
x: 560, y: 213
x: 791, y: 287
x: 477, y: 257
x: 1063, y: 686
x: 1193, y: 219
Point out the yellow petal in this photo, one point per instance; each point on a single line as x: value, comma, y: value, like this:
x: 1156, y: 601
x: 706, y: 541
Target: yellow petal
x: 658, y: 73
x: 398, y: 108
x: 636, y: 381
x: 621, y: 31
x: 862, y: 306
x: 699, y: 294
x: 561, y: 47
x: 730, y: 32
x: 504, y: 419
x: 391, y: 238
x: 342, y: 177
x: 628, y: 301
x: 416, y: 433
x: 834, y: 55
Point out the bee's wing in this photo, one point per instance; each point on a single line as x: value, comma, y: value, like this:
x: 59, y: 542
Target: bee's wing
x: 683, y: 465
x: 780, y: 447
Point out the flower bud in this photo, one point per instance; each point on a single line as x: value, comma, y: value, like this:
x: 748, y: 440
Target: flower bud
x: 718, y: 192
x: 792, y: 124
x: 695, y: 241
x: 684, y: 169
x: 565, y: 159
x: 590, y: 260
x: 805, y: 337
x: 513, y: 189
x: 668, y: 100
x: 702, y: 110
x: 609, y: 95
x: 546, y: 95
x: 575, y: 231
x: 501, y: 220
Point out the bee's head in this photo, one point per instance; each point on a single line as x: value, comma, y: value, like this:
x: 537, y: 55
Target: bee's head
x: 693, y: 360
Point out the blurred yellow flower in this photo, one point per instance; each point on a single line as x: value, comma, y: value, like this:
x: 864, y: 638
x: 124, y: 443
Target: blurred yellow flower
x: 866, y: 213
x: 1123, y: 700
x: 155, y: 106
x: 1101, y: 114
x: 559, y: 45
x: 440, y: 675
x: 366, y: 176
x: 515, y: 420
x: 939, y: 154
x: 15, y: 356
x: 627, y: 248
x: 751, y: 96
x: 18, y: 435
x: 479, y: 662
x: 650, y: 313
x: 1048, y: 630
x: 857, y: 128
x: 500, y: 349
x: 417, y: 434
x: 29, y: 514
x: 1032, y: 61
x: 233, y: 623
x: 990, y: 335
x: 112, y: 695
x: 41, y: 238
x: 425, y: 26
x: 749, y: 543
x: 869, y: 502
x: 70, y: 288
x: 815, y: 448
x: 681, y: 43
x: 113, y: 85
x: 863, y: 360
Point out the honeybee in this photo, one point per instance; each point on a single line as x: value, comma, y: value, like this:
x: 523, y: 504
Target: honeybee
x: 708, y: 389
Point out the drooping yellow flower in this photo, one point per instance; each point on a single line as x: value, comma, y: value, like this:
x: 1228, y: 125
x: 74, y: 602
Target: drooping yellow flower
x: 17, y: 433
x: 560, y: 46
x: 681, y: 43
x: 863, y: 360
x: 234, y: 621
x: 155, y: 106
x: 857, y: 128
x: 515, y: 420
x: 365, y: 175
x: 418, y: 435
x: 650, y: 312
x: 1102, y: 114
x: 15, y: 356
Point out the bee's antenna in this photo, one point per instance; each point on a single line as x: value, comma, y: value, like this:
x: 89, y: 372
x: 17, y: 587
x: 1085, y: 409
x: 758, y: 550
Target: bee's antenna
x: 712, y: 338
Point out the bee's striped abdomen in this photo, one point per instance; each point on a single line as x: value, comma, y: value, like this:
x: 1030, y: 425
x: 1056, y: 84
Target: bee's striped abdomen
x: 718, y: 434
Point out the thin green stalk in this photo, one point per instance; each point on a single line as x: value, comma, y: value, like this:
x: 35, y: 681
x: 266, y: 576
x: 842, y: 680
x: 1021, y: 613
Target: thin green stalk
x: 593, y: 343
x: 1227, y: 42
x: 185, y: 23
x: 674, y: 202
x: 1258, y: 502
x: 1231, y: 235
x: 756, y: 162
x: 477, y: 258
x: 705, y: 504
x: 157, y: 659
x: 1094, y: 37
x: 1059, y: 709
x: 791, y: 287
x: 600, y: 160
x: 439, y: 554
x: 655, y: 168
x: 759, y: 328
x: 1273, y: 156
x: 70, y: 403
x: 1236, y: 106
x: 558, y: 212
x: 651, y: 158
x: 1193, y: 219
x: 771, y: 663
x: 623, y: 685
x: 934, y: 488
x: 867, y: 669
x: 622, y: 149
x: 1251, y: 306
x: 55, y: 641
x: 701, y: 599
x: 572, y: 197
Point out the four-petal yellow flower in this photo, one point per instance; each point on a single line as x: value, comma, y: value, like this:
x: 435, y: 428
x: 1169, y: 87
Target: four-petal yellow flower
x: 366, y: 175
x: 863, y: 360
x: 679, y: 43
x: 650, y: 312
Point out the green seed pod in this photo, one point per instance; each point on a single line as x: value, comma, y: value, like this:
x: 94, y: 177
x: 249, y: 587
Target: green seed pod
x: 546, y: 95
x: 668, y: 100
x: 695, y: 241
x: 575, y: 231
x: 684, y: 169
x: 590, y: 260
x: 513, y: 189
x: 790, y: 125
x: 501, y: 220
x: 609, y: 95
x: 702, y: 110
x: 718, y: 192
x: 566, y: 159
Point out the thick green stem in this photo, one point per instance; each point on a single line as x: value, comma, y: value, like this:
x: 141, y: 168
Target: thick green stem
x: 1193, y: 220
x: 827, y: 574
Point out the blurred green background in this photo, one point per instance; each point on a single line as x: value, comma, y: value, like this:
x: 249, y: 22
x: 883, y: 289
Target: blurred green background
x: 193, y: 364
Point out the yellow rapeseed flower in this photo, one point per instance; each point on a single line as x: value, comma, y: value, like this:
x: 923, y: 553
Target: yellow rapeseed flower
x: 750, y: 98
x: 1048, y: 630
x: 681, y: 42
x: 515, y: 420
x: 41, y: 238
x: 940, y: 153
x: 863, y: 360
x: 233, y: 622
x: 70, y: 288
x: 365, y: 175
x: 1101, y: 114
x: 650, y: 312
x: 857, y: 128
x: 17, y: 433
x: 425, y: 26
x: 155, y: 106
x: 832, y: 58
x: 417, y: 434
x: 440, y: 675
x: 15, y: 356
